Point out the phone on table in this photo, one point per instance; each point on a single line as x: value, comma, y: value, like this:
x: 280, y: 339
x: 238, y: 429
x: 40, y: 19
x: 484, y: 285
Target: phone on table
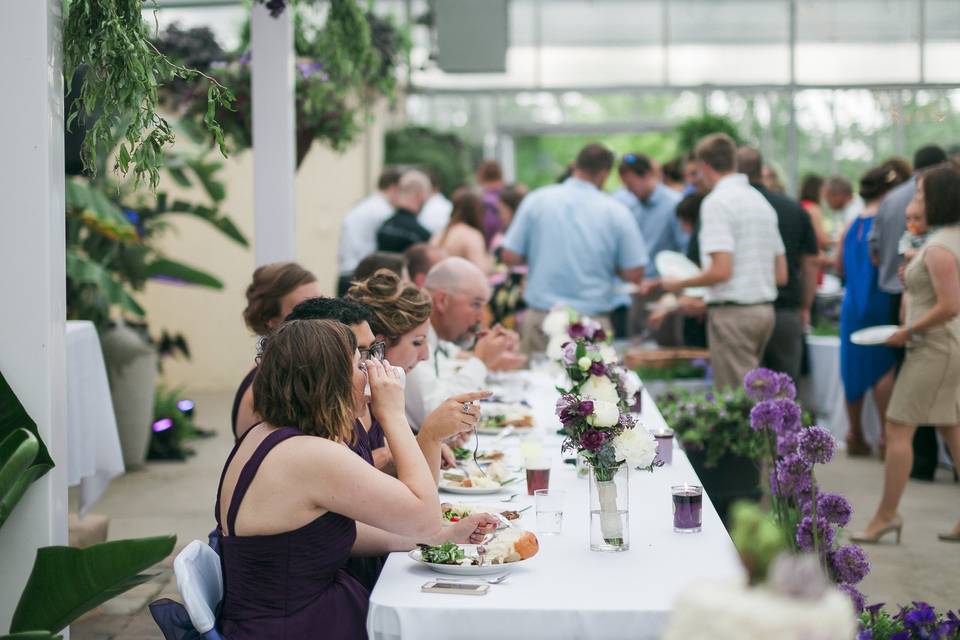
x: 462, y: 588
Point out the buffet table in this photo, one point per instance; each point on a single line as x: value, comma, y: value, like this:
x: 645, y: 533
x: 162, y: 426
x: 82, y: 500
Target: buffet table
x: 566, y: 590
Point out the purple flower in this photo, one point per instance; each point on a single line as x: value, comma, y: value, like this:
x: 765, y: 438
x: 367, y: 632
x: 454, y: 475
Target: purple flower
x: 920, y: 615
x: 790, y: 411
x: 866, y: 634
x: 576, y: 330
x: 627, y: 421
x: 586, y: 407
x: 761, y: 384
x: 307, y: 69
x: 785, y: 387
x: 766, y: 415
x: 786, y: 444
x: 599, y: 335
x: 859, y: 602
x: 569, y: 409
x: 793, y: 475
x: 570, y: 354
x: 816, y: 445
x: 849, y: 564
x: 805, y: 534
x: 592, y: 439
x: 597, y: 369
x: 835, y: 508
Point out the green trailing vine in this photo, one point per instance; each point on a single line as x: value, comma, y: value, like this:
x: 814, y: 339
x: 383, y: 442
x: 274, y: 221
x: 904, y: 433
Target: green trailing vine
x: 121, y: 74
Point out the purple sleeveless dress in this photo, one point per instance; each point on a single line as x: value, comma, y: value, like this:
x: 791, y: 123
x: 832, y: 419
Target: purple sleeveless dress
x: 238, y: 398
x: 291, y: 585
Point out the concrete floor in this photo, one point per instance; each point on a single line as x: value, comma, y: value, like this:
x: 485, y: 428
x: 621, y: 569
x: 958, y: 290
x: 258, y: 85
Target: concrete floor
x: 178, y: 498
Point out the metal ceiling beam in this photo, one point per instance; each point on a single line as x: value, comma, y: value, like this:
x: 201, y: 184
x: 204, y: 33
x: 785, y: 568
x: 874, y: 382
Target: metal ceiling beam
x: 675, y: 88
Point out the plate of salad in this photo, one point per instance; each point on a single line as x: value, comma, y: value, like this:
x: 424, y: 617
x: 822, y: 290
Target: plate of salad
x: 510, y: 547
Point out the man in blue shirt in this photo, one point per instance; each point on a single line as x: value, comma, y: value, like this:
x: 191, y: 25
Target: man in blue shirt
x: 654, y: 207
x: 575, y: 240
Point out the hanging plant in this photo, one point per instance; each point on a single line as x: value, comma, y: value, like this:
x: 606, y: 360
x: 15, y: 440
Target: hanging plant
x: 118, y: 93
x: 341, y: 69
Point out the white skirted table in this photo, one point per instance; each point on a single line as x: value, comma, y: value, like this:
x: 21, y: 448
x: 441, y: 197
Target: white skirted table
x: 94, y: 455
x: 566, y: 590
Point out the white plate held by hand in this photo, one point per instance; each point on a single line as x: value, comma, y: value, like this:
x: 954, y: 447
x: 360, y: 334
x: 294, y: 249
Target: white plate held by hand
x: 676, y: 266
x: 873, y: 335
x: 465, y: 570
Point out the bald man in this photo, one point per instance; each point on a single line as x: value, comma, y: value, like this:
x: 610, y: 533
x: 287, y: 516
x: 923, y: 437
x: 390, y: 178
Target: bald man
x: 460, y: 292
x: 403, y: 228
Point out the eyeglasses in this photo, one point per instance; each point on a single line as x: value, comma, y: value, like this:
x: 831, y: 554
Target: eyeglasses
x: 376, y: 351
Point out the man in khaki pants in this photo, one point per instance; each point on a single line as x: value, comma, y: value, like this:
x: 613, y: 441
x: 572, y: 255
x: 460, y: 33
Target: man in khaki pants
x: 744, y: 261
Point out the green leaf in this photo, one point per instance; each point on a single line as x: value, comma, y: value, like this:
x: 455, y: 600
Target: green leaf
x: 32, y: 635
x: 84, y: 271
x: 15, y: 450
x: 97, y: 211
x: 222, y: 223
x: 66, y: 582
x: 18, y: 452
x: 165, y: 268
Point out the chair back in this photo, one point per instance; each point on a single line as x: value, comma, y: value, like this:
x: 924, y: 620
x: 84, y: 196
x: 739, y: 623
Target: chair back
x: 200, y: 582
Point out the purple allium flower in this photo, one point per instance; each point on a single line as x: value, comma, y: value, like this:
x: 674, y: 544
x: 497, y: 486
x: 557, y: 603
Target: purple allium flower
x: 592, y: 439
x: 816, y: 445
x: 790, y: 411
x: 785, y: 387
x: 835, y: 508
x: 849, y: 564
x: 761, y: 384
x: 805, y: 534
x: 786, y: 443
x: 597, y: 369
x: 793, y: 475
x: 866, y: 634
x: 766, y: 415
x: 859, y: 602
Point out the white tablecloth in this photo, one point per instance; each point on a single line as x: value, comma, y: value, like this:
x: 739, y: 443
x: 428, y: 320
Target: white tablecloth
x: 568, y: 591
x: 94, y: 456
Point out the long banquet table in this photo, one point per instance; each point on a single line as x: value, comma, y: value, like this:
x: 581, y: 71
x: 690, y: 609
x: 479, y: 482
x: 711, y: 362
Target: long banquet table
x: 566, y: 590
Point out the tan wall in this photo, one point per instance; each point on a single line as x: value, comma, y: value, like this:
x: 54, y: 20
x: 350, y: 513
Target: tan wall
x: 327, y: 185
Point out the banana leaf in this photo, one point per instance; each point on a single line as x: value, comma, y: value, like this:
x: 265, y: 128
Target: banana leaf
x: 84, y: 271
x: 18, y: 453
x: 66, y: 583
x: 15, y: 449
x: 212, y: 216
x: 97, y: 211
x: 173, y: 270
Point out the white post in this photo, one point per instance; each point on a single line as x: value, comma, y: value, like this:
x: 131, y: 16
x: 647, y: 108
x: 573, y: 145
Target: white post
x: 274, y: 144
x: 32, y: 279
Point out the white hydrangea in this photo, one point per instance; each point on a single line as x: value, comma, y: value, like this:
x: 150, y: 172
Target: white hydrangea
x: 637, y: 446
x: 556, y: 322
x: 605, y: 414
x: 600, y: 389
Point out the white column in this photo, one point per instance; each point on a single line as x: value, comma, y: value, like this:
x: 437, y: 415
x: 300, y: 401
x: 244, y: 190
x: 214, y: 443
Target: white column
x: 32, y: 280
x: 274, y: 145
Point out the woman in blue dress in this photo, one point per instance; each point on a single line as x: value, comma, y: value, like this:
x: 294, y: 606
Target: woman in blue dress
x: 863, y: 368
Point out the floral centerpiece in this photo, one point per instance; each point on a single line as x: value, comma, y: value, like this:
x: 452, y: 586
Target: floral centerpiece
x: 811, y: 518
x: 596, y: 418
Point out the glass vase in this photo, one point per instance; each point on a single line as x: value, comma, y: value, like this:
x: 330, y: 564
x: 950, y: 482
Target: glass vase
x: 610, y: 509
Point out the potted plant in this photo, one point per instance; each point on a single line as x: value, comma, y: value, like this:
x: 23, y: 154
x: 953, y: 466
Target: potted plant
x: 714, y: 431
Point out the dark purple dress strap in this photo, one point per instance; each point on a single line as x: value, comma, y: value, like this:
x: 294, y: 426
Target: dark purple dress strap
x: 250, y: 469
x: 238, y: 398
x: 223, y: 474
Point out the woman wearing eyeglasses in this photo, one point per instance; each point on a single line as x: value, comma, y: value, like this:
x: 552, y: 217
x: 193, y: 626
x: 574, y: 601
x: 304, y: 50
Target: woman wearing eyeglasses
x: 400, y: 319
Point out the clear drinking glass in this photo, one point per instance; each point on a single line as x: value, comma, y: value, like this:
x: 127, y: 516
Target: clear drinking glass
x: 687, y: 508
x: 538, y: 474
x: 664, y: 446
x: 549, y: 511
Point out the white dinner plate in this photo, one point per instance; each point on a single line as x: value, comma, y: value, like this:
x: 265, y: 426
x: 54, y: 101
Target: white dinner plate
x: 676, y: 266
x: 465, y: 570
x: 873, y: 335
x: 476, y: 491
x: 830, y: 287
x: 495, y: 431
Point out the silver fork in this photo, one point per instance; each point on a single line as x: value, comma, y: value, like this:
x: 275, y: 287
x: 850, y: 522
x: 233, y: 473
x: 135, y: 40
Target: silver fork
x: 476, y: 448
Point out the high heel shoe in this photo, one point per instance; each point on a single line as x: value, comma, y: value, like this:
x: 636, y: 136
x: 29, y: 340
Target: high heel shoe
x: 895, y: 526
x: 952, y: 536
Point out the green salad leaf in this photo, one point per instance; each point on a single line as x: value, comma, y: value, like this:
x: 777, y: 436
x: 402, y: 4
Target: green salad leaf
x: 446, y: 553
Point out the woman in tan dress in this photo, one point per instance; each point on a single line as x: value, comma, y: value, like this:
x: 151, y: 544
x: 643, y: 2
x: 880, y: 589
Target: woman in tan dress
x: 927, y: 391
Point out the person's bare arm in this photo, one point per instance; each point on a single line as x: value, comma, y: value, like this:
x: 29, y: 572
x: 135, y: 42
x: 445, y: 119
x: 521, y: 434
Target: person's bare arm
x: 780, y: 270
x: 510, y: 258
x: 811, y: 270
x: 946, y: 285
x: 634, y: 275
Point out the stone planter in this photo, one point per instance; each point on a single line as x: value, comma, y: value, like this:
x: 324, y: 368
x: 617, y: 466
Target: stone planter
x: 132, y: 370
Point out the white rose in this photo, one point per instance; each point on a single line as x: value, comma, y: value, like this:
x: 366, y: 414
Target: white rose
x: 605, y: 414
x: 600, y: 388
x: 584, y: 363
x: 636, y: 446
x: 555, y: 346
x: 631, y: 383
x: 556, y: 322
x: 608, y: 353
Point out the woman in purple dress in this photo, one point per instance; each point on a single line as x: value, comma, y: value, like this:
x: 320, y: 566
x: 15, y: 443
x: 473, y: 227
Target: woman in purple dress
x: 294, y: 502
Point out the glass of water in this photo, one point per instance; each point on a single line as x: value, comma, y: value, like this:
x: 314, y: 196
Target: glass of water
x: 549, y: 511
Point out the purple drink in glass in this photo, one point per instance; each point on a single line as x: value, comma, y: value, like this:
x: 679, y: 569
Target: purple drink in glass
x: 687, y: 508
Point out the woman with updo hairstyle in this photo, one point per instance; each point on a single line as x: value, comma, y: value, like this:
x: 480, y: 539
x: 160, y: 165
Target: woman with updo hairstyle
x: 401, y: 320
x: 464, y: 235
x: 276, y: 289
x: 294, y: 502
